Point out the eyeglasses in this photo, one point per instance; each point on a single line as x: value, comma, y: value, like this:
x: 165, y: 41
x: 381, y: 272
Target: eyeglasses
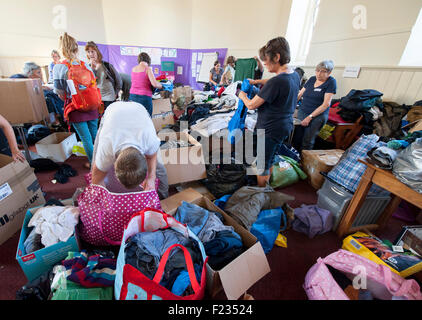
x: 321, y: 70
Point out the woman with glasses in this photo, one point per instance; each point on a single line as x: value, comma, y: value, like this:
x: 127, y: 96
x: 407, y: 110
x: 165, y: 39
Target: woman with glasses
x: 317, y: 95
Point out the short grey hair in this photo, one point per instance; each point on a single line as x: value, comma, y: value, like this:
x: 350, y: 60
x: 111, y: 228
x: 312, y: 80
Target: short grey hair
x: 55, y: 52
x: 326, y: 64
x: 29, y: 67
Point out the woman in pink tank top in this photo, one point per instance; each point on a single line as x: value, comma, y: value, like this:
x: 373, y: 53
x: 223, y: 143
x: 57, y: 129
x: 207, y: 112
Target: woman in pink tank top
x: 142, y: 82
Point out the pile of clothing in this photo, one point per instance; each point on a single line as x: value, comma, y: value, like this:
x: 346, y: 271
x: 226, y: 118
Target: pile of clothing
x: 175, y: 144
x: 51, y: 225
x: 144, y: 250
x: 222, y: 244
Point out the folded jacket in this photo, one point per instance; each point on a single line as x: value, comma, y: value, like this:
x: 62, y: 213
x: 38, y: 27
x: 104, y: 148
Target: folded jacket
x: 223, y: 242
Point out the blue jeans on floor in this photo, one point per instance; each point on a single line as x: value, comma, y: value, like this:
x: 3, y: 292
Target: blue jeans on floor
x: 146, y: 101
x: 87, y: 131
x: 310, y: 132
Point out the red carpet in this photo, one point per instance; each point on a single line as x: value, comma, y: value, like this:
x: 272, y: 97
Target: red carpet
x: 288, y: 265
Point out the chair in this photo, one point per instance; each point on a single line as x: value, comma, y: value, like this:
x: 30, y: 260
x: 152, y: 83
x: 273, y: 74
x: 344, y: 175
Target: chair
x: 345, y: 133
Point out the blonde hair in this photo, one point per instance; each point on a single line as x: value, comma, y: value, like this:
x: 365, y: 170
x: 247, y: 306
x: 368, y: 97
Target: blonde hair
x: 68, y: 46
x: 130, y: 168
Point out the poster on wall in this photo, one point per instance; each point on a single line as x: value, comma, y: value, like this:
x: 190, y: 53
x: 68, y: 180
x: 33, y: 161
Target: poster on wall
x: 200, y: 54
x: 155, y: 55
x: 172, y: 53
x: 130, y: 51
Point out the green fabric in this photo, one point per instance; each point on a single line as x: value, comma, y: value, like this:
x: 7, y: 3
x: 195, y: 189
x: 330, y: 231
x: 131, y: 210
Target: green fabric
x: 326, y: 132
x: 167, y: 66
x: 245, y: 69
x: 288, y: 174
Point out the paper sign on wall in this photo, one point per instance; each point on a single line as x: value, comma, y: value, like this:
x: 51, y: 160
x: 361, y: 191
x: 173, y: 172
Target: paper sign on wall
x: 130, y: 51
x: 200, y: 56
x: 351, y: 72
x: 179, y: 70
x: 172, y: 53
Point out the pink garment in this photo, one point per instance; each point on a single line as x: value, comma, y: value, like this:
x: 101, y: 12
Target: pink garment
x: 141, y: 84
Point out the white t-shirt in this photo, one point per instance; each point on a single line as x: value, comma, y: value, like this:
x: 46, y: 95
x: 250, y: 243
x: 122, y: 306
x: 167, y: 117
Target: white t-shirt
x: 124, y: 125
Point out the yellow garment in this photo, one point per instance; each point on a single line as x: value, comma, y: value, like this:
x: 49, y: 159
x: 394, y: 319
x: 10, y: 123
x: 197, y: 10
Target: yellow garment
x: 281, y: 241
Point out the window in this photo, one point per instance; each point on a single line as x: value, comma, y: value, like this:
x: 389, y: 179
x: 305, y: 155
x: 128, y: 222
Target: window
x: 303, y: 16
x: 412, y: 56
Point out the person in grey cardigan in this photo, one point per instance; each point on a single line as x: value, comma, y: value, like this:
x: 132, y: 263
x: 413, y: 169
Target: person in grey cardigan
x: 108, y: 79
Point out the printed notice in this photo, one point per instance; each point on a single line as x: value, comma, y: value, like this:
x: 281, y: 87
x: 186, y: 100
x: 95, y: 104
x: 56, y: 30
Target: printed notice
x: 5, y: 191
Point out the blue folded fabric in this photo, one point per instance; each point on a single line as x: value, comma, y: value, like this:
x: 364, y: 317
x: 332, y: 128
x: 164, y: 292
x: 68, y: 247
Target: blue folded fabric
x: 224, y: 241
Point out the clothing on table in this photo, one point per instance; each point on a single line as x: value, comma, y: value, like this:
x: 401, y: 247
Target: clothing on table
x: 173, y: 144
x: 314, y: 96
x: 310, y: 132
x: 145, y: 101
x: 87, y: 132
x: 55, y: 223
x: 382, y: 157
x: 50, y: 72
x: 216, y: 76
x: 90, y: 270
x: 104, y: 84
x: 124, y: 124
x: 245, y: 69
x: 275, y: 116
x: 141, y: 85
x: 246, y: 203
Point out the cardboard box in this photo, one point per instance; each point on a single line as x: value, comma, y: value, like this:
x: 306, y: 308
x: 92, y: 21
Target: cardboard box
x: 197, y: 186
x: 36, y: 263
x: 162, y: 119
x: 411, y: 238
x: 316, y: 161
x: 160, y: 106
x: 57, y: 146
x: 240, y: 274
x: 22, y: 101
x: 183, y: 164
x: 19, y: 190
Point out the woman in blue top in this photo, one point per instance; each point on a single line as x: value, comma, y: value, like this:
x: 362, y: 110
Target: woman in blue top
x: 317, y: 95
x: 275, y: 103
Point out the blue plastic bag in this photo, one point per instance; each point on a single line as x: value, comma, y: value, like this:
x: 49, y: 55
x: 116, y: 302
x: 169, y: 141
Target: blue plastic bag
x: 236, y: 125
x: 267, y: 227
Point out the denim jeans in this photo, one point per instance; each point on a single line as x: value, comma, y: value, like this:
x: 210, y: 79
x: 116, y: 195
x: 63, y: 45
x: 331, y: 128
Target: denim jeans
x: 311, y: 131
x: 87, y: 131
x: 146, y: 101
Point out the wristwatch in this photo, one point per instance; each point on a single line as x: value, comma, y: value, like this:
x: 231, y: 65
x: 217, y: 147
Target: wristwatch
x: 310, y: 116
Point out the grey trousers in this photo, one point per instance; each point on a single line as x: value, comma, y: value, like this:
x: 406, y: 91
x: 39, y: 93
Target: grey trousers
x: 113, y: 185
x: 310, y: 132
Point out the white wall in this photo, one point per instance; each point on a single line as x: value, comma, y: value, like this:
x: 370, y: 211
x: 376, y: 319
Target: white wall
x: 155, y: 23
x: 389, y: 24
x: 27, y: 31
x: 242, y: 26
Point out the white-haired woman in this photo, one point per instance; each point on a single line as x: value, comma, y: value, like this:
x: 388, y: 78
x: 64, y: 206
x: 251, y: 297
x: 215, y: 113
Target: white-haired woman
x: 317, y: 95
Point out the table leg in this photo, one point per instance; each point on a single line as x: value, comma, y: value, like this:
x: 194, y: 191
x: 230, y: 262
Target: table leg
x: 356, y: 203
x: 388, y: 211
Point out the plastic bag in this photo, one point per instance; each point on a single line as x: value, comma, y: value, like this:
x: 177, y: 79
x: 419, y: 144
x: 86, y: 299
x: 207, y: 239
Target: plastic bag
x: 79, y: 150
x: 286, y: 172
x: 408, y: 166
x: 267, y: 227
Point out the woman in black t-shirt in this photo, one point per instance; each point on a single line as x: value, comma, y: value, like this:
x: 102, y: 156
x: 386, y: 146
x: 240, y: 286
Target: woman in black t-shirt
x: 275, y: 103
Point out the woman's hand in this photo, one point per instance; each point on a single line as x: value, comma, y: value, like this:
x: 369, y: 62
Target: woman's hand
x: 18, y: 156
x: 306, y: 122
x: 242, y: 95
x: 252, y: 81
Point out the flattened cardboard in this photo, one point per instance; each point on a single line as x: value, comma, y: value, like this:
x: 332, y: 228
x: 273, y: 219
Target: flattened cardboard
x: 19, y: 190
x: 316, y: 161
x: 243, y: 272
x: 183, y: 164
x: 22, y: 101
x: 197, y: 186
x: 57, y: 146
x: 161, y: 106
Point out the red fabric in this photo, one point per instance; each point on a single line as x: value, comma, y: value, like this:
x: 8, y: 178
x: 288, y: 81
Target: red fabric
x: 220, y: 92
x: 162, y: 77
x: 333, y: 116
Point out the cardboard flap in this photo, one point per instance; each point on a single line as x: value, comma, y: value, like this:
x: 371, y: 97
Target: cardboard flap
x: 171, y: 204
x: 243, y: 272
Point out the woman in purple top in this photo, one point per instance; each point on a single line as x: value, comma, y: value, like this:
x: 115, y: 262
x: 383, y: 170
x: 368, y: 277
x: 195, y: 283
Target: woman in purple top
x: 142, y: 82
x: 84, y: 123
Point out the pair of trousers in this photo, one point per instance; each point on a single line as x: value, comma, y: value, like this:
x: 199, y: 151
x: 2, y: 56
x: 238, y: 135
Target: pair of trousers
x: 87, y: 132
x: 311, y: 131
x: 146, y: 101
